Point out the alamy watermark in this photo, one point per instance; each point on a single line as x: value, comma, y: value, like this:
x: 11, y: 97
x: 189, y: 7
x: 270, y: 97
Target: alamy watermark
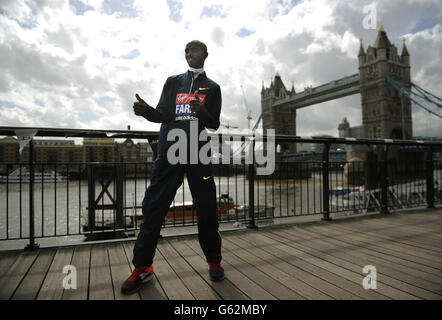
x: 186, y: 150
x: 70, y: 281
x: 369, y: 281
x: 370, y: 20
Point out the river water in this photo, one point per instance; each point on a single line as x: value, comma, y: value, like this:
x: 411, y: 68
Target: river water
x: 60, y: 209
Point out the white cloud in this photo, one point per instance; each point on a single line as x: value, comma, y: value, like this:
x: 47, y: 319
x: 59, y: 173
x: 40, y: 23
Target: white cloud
x: 350, y: 44
x: 69, y: 59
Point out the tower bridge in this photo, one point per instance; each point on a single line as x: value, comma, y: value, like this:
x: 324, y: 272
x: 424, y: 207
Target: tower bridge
x: 332, y: 90
x: 385, y: 114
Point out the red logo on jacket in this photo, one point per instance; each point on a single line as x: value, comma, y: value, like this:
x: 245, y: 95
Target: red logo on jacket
x: 182, y: 105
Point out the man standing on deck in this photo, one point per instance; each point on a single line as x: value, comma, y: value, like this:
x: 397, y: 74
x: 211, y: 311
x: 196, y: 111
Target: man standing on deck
x: 187, y: 99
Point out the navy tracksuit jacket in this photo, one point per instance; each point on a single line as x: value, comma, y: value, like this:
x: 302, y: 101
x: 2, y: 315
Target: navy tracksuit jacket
x: 173, y: 111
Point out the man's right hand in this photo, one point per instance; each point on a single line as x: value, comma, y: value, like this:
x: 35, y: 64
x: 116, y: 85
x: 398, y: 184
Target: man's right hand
x: 140, y: 107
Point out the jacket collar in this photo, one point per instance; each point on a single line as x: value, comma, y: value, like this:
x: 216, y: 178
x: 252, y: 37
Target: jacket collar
x: 202, y: 74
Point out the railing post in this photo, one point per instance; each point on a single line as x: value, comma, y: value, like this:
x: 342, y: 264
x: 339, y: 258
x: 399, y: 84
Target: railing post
x: 251, y: 176
x: 91, y: 197
x: 119, y: 197
x: 429, y: 168
x: 384, y: 181
x: 325, y: 183
x: 32, y: 245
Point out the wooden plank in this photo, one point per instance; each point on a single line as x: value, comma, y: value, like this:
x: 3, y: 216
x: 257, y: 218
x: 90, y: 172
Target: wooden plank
x: 417, y: 220
x: 192, y: 280
x: 402, y: 233
x: 355, y: 243
x: 408, y: 280
x: 100, y: 285
x: 405, y: 245
x: 406, y: 221
x: 16, y: 272
x: 271, y: 285
x: 342, y: 268
x: 225, y: 289
x: 81, y: 262
x: 431, y: 227
x: 424, y: 256
x: 376, y: 246
x: 30, y: 286
x: 7, y: 259
x: 269, y: 245
x: 332, y: 291
x: 430, y: 211
x: 338, y: 257
x: 151, y: 290
x: 246, y: 285
x: 169, y: 280
x: 419, y: 215
x: 52, y: 288
x: 120, y: 270
x: 301, y: 288
x: 391, y: 234
x: 389, y: 242
x: 426, y: 236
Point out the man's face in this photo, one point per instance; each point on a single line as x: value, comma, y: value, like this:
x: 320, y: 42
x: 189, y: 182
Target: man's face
x: 195, y: 56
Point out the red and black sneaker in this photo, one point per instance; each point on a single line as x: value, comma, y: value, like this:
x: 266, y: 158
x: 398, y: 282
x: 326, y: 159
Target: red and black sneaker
x: 216, y: 272
x: 139, y: 276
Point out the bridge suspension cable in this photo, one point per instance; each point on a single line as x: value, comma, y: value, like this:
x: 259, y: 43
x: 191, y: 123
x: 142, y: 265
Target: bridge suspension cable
x: 423, y: 91
x: 423, y: 94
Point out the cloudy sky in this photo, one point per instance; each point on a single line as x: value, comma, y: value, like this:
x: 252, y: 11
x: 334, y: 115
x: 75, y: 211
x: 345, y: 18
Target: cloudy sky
x: 79, y: 63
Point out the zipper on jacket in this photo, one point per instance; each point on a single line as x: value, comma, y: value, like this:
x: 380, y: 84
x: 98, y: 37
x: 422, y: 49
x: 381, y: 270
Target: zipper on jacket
x: 191, y: 85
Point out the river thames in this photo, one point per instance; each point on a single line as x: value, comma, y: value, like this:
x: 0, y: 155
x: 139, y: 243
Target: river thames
x: 60, y: 209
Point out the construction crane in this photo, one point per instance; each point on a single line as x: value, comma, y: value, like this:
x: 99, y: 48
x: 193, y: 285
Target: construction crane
x: 249, y: 113
x: 244, y: 144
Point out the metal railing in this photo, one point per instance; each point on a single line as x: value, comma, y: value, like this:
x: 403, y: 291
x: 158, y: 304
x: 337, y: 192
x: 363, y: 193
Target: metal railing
x: 101, y: 200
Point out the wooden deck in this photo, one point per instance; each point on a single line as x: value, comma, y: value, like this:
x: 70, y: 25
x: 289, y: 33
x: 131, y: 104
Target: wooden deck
x: 320, y: 260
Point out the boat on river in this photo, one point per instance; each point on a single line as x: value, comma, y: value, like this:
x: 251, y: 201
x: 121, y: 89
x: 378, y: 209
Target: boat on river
x: 400, y: 195
x: 179, y: 213
x: 24, y: 176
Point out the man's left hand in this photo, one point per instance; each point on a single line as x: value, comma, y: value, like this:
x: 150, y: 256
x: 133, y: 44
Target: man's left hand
x: 195, y: 105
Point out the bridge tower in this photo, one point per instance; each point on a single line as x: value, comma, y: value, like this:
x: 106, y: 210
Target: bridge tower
x: 382, y: 105
x: 282, y: 119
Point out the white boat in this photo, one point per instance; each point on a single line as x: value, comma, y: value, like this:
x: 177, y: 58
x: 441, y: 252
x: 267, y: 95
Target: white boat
x: 351, y: 199
x: 402, y: 195
x: 24, y: 176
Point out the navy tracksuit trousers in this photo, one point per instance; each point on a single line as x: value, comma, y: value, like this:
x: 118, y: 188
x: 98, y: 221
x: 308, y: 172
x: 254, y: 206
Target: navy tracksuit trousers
x: 166, y: 179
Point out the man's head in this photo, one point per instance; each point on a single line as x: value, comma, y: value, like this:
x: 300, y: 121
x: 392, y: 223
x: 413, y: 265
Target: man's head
x: 196, y: 54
